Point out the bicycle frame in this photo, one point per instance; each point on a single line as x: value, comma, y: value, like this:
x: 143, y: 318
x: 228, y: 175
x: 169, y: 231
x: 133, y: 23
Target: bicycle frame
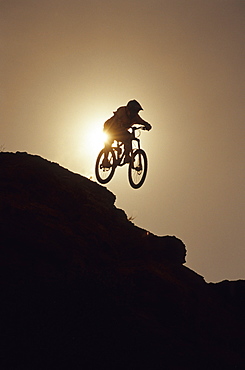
x: 120, y: 152
x: 108, y: 159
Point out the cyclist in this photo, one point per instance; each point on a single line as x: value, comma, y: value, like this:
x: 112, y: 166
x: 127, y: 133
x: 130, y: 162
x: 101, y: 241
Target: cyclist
x: 117, y: 127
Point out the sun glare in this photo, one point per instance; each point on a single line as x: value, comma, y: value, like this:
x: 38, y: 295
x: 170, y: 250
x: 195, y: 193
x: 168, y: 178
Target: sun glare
x: 95, y: 139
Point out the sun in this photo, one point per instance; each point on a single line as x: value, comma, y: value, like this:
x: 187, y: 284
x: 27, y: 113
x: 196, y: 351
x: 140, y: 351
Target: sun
x: 90, y: 137
x: 95, y: 139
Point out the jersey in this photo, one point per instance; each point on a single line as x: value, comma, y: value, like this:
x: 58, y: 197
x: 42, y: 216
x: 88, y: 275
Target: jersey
x: 121, y: 121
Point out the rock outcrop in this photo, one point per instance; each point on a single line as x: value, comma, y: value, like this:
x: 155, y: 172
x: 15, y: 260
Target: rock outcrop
x: 83, y: 287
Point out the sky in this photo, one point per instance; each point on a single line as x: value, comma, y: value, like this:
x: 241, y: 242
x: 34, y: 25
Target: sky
x: 66, y: 65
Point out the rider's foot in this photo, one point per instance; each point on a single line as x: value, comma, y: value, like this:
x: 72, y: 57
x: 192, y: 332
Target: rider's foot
x: 106, y: 163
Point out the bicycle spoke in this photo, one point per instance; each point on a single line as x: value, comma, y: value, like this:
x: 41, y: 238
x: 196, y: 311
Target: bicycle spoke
x: 137, y: 169
x: 105, y: 167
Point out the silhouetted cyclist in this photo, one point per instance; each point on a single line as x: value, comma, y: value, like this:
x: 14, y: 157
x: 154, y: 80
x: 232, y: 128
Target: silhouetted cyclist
x: 117, y: 126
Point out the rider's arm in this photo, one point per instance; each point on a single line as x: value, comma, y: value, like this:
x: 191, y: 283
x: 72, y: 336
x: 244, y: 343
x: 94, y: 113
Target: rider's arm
x: 125, y: 122
x: 138, y: 120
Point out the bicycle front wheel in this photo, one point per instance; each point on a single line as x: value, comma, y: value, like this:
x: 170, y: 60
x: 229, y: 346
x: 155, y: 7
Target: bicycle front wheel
x: 105, y: 171
x: 137, y: 169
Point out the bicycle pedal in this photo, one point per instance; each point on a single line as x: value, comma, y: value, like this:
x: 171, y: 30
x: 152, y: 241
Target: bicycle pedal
x: 138, y: 168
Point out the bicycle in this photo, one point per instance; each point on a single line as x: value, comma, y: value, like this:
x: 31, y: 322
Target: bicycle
x: 138, y: 164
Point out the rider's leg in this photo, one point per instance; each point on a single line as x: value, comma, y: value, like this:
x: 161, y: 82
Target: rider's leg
x: 128, y: 146
x: 125, y: 137
x: 107, y: 148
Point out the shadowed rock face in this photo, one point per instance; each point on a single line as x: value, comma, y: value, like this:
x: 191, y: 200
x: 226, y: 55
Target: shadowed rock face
x: 83, y: 287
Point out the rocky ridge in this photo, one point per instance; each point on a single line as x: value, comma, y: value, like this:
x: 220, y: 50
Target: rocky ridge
x: 83, y: 287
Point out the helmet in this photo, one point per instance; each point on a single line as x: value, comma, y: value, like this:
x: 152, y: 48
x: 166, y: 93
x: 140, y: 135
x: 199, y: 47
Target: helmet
x: 134, y: 106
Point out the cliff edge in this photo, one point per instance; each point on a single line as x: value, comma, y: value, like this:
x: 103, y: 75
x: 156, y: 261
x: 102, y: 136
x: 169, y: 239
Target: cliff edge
x: 83, y: 287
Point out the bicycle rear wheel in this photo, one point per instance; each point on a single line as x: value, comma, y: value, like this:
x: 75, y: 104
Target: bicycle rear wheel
x: 105, y: 171
x: 137, y: 169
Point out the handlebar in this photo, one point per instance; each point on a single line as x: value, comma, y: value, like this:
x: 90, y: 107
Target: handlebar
x: 134, y: 129
x: 141, y: 127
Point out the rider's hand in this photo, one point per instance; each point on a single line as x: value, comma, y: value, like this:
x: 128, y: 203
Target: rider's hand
x: 148, y: 127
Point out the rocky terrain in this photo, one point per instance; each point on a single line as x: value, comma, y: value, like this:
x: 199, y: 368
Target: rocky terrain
x: 82, y: 287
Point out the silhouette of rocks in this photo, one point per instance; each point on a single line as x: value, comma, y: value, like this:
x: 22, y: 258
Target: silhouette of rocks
x: 83, y: 287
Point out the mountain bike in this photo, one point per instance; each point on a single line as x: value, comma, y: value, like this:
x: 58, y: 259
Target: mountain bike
x: 137, y: 169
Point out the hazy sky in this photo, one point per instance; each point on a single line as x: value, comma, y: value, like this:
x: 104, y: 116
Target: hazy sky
x: 65, y: 65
